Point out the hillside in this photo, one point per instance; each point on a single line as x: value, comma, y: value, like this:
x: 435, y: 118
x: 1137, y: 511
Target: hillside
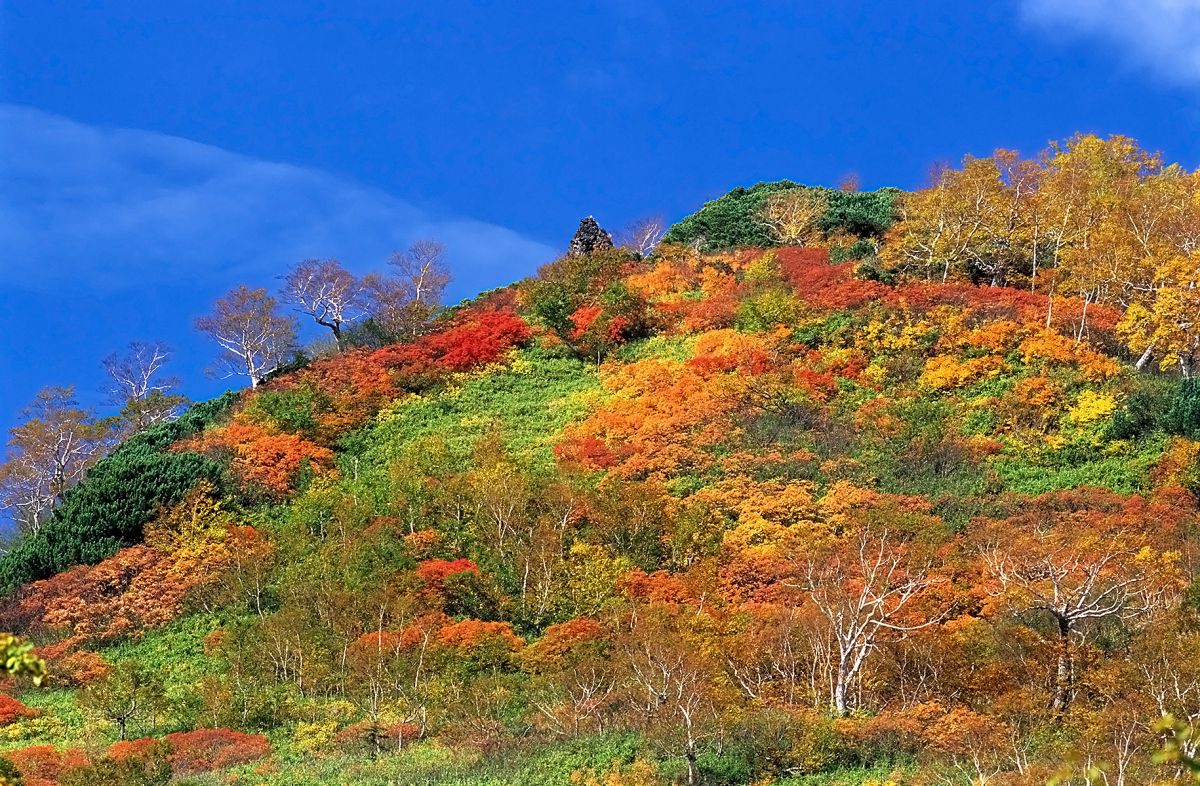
x: 818, y: 492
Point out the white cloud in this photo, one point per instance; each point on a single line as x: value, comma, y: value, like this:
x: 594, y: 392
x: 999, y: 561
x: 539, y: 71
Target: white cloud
x: 111, y: 208
x: 1162, y: 35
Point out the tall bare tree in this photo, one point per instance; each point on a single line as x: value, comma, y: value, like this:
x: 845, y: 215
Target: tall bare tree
x: 643, y: 235
x: 254, y: 337
x: 327, y: 292
x: 49, y: 453
x: 403, y: 304
x: 422, y: 270
x: 136, y: 384
x: 865, y: 587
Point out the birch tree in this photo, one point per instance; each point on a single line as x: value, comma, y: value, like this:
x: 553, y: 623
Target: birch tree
x: 48, y: 454
x: 867, y: 588
x: 139, y: 387
x: 643, y: 235
x: 327, y: 292
x: 1075, y: 562
x: 673, y: 684
x: 254, y: 338
x: 791, y: 216
x: 403, y: 303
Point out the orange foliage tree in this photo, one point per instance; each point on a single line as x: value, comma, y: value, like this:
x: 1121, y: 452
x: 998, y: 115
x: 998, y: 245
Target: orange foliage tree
x: 262, y: 459
x: 662, y: 419
x: 1080, y: 557
x: 877, y: 581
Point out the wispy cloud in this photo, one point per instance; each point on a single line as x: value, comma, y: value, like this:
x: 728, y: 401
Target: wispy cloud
x: 110, y: 207
x: 1161, y: 35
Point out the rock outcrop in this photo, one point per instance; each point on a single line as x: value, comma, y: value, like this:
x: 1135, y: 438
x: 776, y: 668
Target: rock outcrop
x: 589, y: 239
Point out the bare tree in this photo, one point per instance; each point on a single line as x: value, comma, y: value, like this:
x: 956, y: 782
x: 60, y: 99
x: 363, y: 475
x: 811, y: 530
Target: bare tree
x: 327, y: 292
x: 423, y: 272
x: 865, y: 589
x: 47, y: 454
x: 131, y: 692
x: 390, y: 315
x: 254, y: 337
x: 136, y: 384
x: 791, y: 216
x: 673, y: 686
x: 1075, y: 579
x: 404, y: 304
x: 643, y: 235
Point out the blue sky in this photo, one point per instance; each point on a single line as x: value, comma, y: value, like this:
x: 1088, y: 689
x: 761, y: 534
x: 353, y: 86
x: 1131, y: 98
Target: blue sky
x: 154, y: 154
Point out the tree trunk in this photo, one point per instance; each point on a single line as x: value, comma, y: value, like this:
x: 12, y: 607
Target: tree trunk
x: 840, y: 705
x: 1145, y: 358
x: 1063, y: 676
x: 376, y: 735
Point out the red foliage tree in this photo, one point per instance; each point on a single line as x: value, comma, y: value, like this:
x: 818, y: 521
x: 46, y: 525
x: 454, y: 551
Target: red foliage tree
x: 659, y: 587
x: 562, y: 643
x: 347, y: 390
x: 823, y: 284
x: 478, y: 645
x: 434, y: 572
x: 133, y: 749
x: 474, y: 340
x: 134, y: 590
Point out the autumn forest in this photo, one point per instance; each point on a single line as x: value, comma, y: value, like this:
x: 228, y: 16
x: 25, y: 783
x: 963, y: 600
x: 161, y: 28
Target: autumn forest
x: 815, y: 486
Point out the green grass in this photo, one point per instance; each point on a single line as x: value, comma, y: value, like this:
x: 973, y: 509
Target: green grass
x: 667, y: 347
x: 528, y: 404
x: 874, y: 776
x: 431, y: 764
x: 175, y: 652
x: 60, y: 722
x: 1125, y: 473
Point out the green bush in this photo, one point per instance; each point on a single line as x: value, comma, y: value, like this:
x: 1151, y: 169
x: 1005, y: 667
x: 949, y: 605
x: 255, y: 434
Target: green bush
x: 529, y: 404
x: 766, y: 310
x: 1183, y: 417
x: 151, y: 770
x: 836, y: 328
x: 293, y: 410
x: 860, y: 249
x: 732, y: 221
x: 564, y: 285
x: 1034, y: 475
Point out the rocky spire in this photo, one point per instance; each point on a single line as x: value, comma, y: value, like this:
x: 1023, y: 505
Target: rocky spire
x: 589, y: 238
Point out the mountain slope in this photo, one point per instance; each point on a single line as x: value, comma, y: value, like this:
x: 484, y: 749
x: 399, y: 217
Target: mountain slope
x: 708, y: 517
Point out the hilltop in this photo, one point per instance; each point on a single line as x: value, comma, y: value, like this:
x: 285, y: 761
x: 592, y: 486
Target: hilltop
x: 829, y: 487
